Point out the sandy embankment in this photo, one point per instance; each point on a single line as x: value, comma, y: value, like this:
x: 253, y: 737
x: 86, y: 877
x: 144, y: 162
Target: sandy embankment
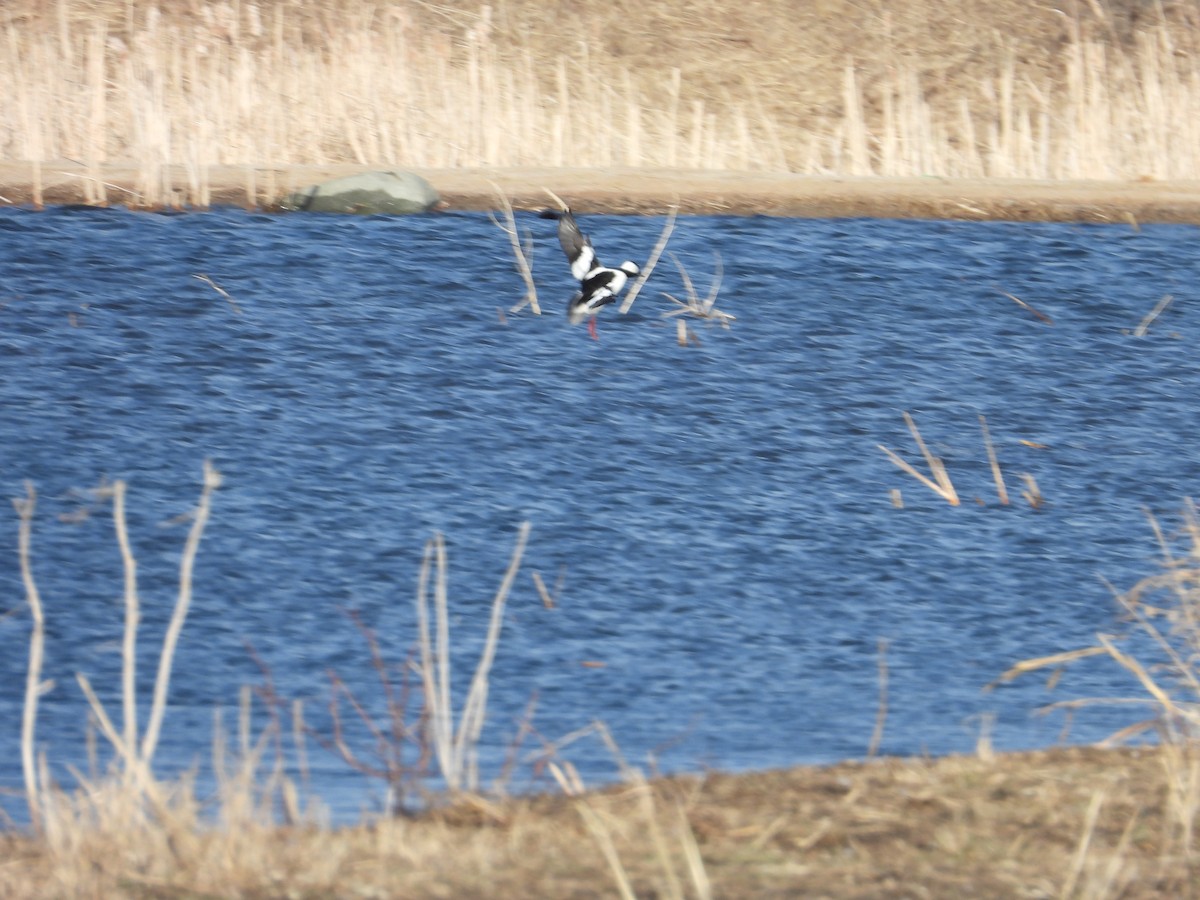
x: 653, y: 190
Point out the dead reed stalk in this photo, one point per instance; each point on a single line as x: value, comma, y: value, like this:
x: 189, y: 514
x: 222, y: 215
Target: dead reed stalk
x: 1040, y: 316
x: 37, y: 642
x: 603, y: 820
x: 220, y: 290
x: 651, y: 262
x: 1149, y: 318
x: 1178, y: 644
x: 695, y: 306
x: 187, y: 563
x: 997, y: 475
x: 132, y: 618
x: 522, y: 250
x: 135, y: 762
x: 179, y: 96
x: 882, y: 709
x: 1032, y: 493
x: 456, y: 744
x: 940, y: 483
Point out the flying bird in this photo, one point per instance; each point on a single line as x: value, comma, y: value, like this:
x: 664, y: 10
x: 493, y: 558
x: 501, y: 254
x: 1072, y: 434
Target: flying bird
x: 598, y: 284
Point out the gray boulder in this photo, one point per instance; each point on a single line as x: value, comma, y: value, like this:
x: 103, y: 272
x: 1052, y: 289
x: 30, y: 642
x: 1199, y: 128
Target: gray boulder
x: 367, y: 193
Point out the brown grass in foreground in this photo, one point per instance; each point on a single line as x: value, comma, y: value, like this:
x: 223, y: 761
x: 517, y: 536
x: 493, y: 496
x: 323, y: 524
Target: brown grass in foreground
x: 1010, y: 88
x: 1068, y: 822
x: 1061, y: 823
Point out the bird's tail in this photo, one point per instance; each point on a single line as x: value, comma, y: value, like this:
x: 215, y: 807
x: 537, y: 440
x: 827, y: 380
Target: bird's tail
x: 576, y: 309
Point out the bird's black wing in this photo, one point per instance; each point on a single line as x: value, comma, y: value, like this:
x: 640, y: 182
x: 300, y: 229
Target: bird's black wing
x: 576, y: 245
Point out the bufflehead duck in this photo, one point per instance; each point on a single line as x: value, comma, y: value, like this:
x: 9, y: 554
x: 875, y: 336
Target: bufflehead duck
x: 599, y: 285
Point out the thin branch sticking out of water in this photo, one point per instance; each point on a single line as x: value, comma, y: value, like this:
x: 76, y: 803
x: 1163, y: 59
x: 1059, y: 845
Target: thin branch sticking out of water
x: 1032, y: 493
x: 522, y: 251
x: 881, y: 711
x: 135, y: 759
x: 33, y: 680
x: 220, y: 290
x: 1040, y: 316
x: 456, y: 748
x: 694, y: 306
x: 940, y: 483
x: 1146, y: 322
x: 1001, y: 490
x: 655, y: 254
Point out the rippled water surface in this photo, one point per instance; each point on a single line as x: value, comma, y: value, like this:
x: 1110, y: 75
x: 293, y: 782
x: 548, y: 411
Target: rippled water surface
x: 719, y: 514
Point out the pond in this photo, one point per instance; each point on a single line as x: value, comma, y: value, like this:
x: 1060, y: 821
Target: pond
x: 716, y: 521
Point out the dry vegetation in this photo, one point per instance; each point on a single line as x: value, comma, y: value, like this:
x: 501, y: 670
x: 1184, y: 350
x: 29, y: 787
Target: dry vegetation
x: 1068, y: 823
x: 1072, y: 822
x: 182, y: 91
x: 178, y: 90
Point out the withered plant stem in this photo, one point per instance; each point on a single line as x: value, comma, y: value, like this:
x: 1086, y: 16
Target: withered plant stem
x: 132, y: 618
x: 456, y: 746
x: 940, y: 484
x: 882, y: 710
x: 1149, y: 318
x: 997, y: 475
x: 37, y: 642
x: 522, y: 255
x: 651, y: 262
x: 187, y: 563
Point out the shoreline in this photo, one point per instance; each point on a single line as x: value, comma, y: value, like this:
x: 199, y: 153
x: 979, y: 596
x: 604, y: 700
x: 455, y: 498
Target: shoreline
x: 644, y: 191
x: 986, y: 824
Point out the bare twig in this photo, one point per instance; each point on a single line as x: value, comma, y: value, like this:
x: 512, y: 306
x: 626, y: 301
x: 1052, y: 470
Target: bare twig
x: 474, y: 709
x: 925, y: 480
x: 694, y: 306
x: 1043, y: 662
x: 562, y: 205
x: 1032, y: 493
x: 683, y: 335
x: 881, y: 711
x: 456, y: 747
x: 547, y: 597
x: 212, y: 480
x: 338, y: 739
x: 522, y: 252
x: 132, y: 617
x: 1149, y: 318
x: 1040, y: 316
x: 37, y: 639
x: 603, y: 838
x: 135, y: 765
x: 647, y: 269
x: 220, y: 290
x: 1085, y: 841
x: 1001, y: 490
x: 940, y: 484
x: 512, y: 755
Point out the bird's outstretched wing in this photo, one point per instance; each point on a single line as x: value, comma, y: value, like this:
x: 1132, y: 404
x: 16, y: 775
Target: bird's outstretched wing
x: 576, y: 245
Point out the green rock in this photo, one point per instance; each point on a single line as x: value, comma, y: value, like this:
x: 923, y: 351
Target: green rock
x: 399, y: 193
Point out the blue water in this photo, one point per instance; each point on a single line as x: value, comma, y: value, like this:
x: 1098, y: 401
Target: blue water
x: 731, y: 557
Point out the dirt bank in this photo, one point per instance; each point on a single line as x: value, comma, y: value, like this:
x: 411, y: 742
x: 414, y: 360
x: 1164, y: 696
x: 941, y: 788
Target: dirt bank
x: 1077, y: 823
x: 654, y: 191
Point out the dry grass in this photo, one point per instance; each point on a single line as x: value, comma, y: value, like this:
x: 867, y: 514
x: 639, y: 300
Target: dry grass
x: 1160, y: 653
x: 1063, y: 823
x: 119, y: 827
x: 1004, y: 89
x: 938, y: 480
x: 456, y: 745
x: 1069, y: 823
x: 1164, y: 610
x: 940, y: 483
